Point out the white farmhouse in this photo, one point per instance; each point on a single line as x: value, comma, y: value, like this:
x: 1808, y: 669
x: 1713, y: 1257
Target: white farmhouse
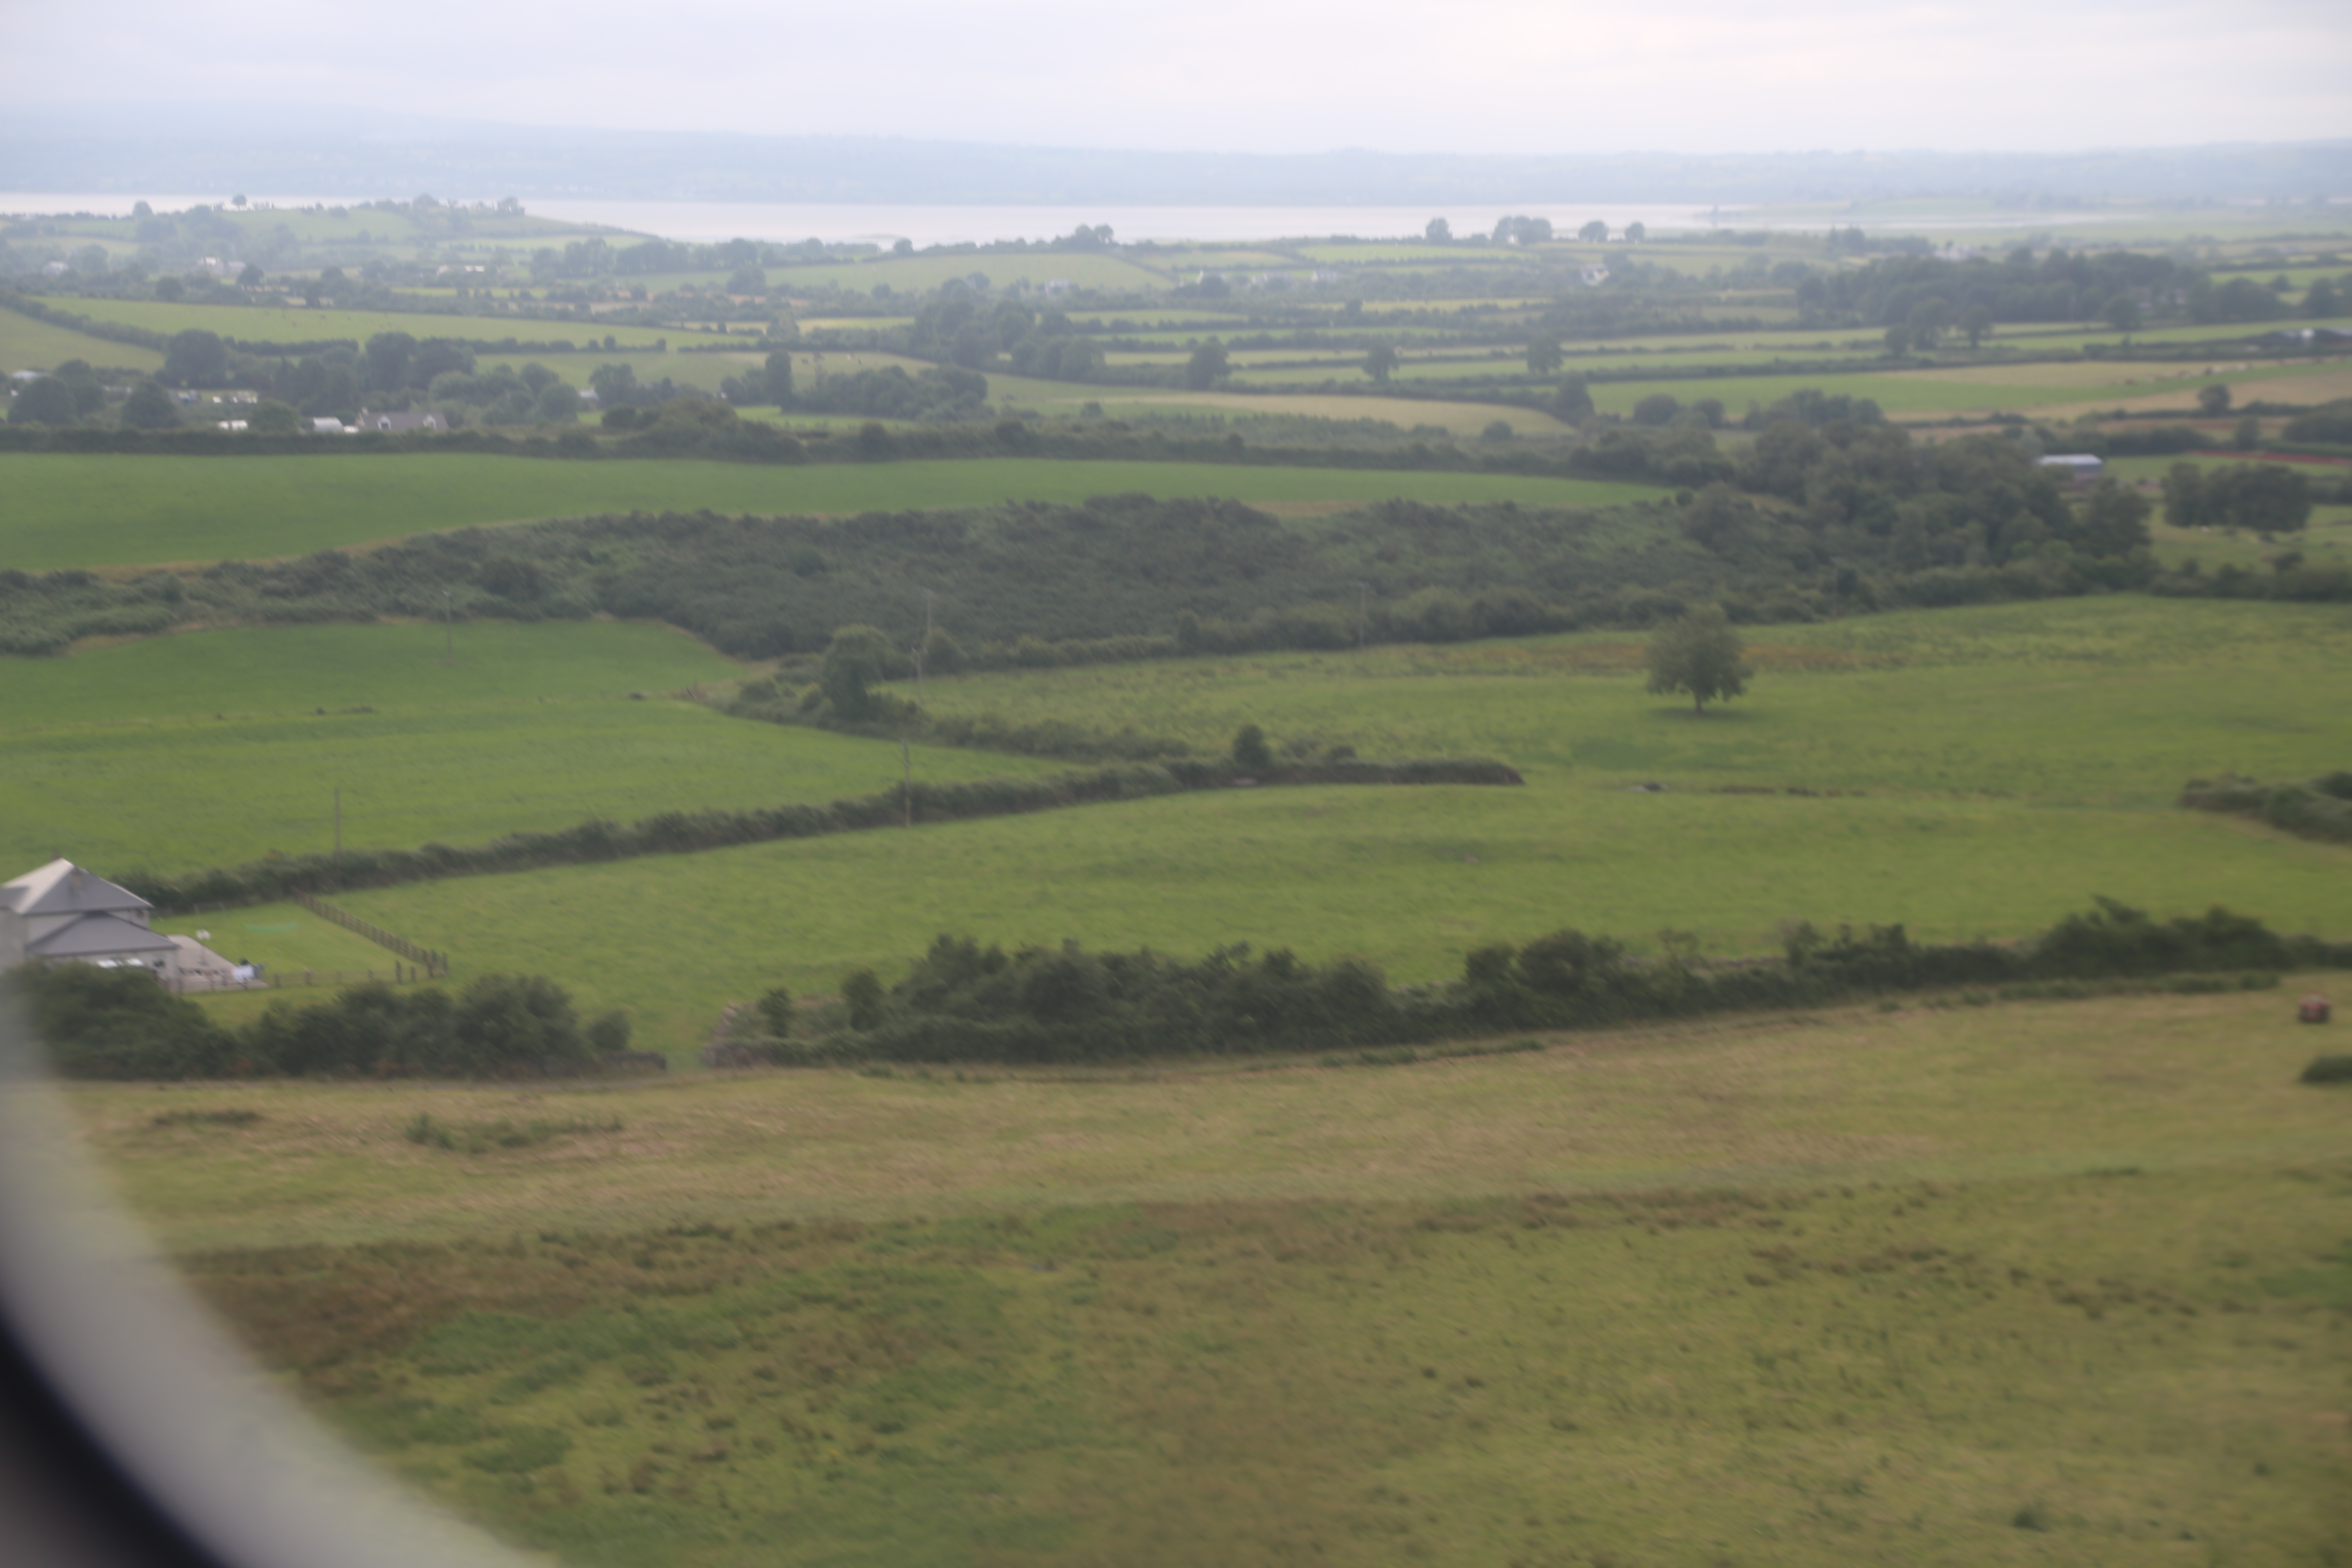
x: 62, y: 913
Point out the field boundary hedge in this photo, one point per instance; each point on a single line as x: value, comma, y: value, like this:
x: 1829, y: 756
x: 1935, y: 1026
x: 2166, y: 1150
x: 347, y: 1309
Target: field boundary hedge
x: 682, y: 833
x: 961, y: 1003
x: 2314, y: 808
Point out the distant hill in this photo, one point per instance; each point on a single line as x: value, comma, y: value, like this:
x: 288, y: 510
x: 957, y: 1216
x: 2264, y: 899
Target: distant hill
x: 137, y: 151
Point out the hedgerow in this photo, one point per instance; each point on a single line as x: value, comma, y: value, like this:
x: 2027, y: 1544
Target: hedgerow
x: 961, y: 1002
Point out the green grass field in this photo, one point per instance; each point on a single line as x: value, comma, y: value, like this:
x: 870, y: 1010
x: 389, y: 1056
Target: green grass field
x: 1459, y: 419
x: 922, y: 274
x: 74, y: 510
x: 303, y: 325
x: 29, y: 344
x: 2011, y: 763
x: 213, y: 748
x: 2066, y: 387
x: 1954, y: 1286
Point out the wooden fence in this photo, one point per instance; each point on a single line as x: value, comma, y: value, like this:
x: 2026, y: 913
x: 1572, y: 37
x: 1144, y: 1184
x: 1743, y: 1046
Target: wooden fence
x: 435, y: 964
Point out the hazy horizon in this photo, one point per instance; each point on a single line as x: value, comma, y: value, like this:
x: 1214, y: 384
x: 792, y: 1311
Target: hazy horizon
x: 1492, y: 77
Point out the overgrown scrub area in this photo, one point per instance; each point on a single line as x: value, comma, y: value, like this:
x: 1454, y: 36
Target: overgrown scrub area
x: 963, y: 1003
x: 2314, y: 808
x: 1822, y: 519
x: 1854, y: 1289
x: 118, y: 1024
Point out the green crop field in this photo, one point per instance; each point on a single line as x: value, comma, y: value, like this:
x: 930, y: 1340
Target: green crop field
x: 29, y: 344
x: 74, y: 510
x: 213, y: 748
x: 920, y: 274
x: 256, y: 323
x: 1407, y: 413
x: 2052, y: 388
x: 2034, y: 1284
x: 1973, y: 773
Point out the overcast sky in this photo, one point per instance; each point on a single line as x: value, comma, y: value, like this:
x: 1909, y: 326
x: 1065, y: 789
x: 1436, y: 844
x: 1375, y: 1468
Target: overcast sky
x: 1475, y: 76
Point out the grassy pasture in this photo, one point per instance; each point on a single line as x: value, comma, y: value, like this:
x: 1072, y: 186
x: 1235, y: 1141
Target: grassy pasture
x: 922, y: 274
x: 1868, y: 1287
x: 29, y: 344
x: 2011, y: 762
x: 68, y: 510
x: 300, y: 324
x: 2053, y: 390
x: 212, y: 748
x: 1454, y: 418
x: 2324, y: 381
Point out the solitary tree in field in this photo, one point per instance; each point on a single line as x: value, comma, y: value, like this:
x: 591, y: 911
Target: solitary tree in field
x: 858, y: 658
x: 1208, y: 365
x: 1379, y: 361
x: 1700, y: 653
x: 1635, y: 233
x: 150, y: 407
x: 1543, y: 354
x: 1593, y: 233
x: 47, y: 401
x: 2213, y: 401
x: 1439, y: 232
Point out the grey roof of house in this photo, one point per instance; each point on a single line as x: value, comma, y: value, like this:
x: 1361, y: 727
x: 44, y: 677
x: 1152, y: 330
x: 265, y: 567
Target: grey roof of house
x: 62, y: 887
x: 100, y: 936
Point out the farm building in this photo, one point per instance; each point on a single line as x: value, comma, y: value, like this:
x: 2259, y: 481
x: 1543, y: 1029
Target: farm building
x: 64, y: 915
x: 2079, y: 468
x: 371, y: 420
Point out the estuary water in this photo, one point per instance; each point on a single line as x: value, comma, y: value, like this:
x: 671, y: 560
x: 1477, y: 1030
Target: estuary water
x: 884, y: 224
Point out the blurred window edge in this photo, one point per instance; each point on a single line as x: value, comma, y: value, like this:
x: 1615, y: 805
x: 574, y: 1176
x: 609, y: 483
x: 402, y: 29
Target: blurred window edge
x: 136, y: 1392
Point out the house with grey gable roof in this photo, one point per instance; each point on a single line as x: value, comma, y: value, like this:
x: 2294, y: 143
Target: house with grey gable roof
x: 64, y: 915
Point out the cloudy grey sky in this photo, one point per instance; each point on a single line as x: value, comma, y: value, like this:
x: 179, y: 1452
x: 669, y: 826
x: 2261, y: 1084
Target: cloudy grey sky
x: 1475, y: 76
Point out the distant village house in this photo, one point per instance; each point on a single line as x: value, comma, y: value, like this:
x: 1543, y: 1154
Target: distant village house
x: 2077, y: 468
x: 369, y: 420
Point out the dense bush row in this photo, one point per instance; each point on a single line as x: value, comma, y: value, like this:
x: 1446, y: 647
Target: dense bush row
x: 683, y: 832
x: 1863, y: 521
x: 118, y: 1024
x: 960, y: 1002
x: 2315, y: 808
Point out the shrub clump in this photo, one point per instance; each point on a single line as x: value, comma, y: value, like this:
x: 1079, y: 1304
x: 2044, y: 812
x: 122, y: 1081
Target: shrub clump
x: 102, y: 1024
x: 2313, y: 808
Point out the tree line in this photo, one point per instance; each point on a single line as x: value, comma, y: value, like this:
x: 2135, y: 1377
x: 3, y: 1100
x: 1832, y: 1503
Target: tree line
x: 962, y: 1002
x: 120, y: 1024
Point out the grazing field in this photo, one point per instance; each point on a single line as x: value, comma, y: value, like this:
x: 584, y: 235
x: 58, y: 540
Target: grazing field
x: 2054, y: 390
x: 67, y: 510
x: 1453, y: 419
x: 213, y: 748
x: 922, y: 274
x: 29, y: 344
x: 1973, y: 773
x: 1866, y: 1287
x: 302, y: 324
